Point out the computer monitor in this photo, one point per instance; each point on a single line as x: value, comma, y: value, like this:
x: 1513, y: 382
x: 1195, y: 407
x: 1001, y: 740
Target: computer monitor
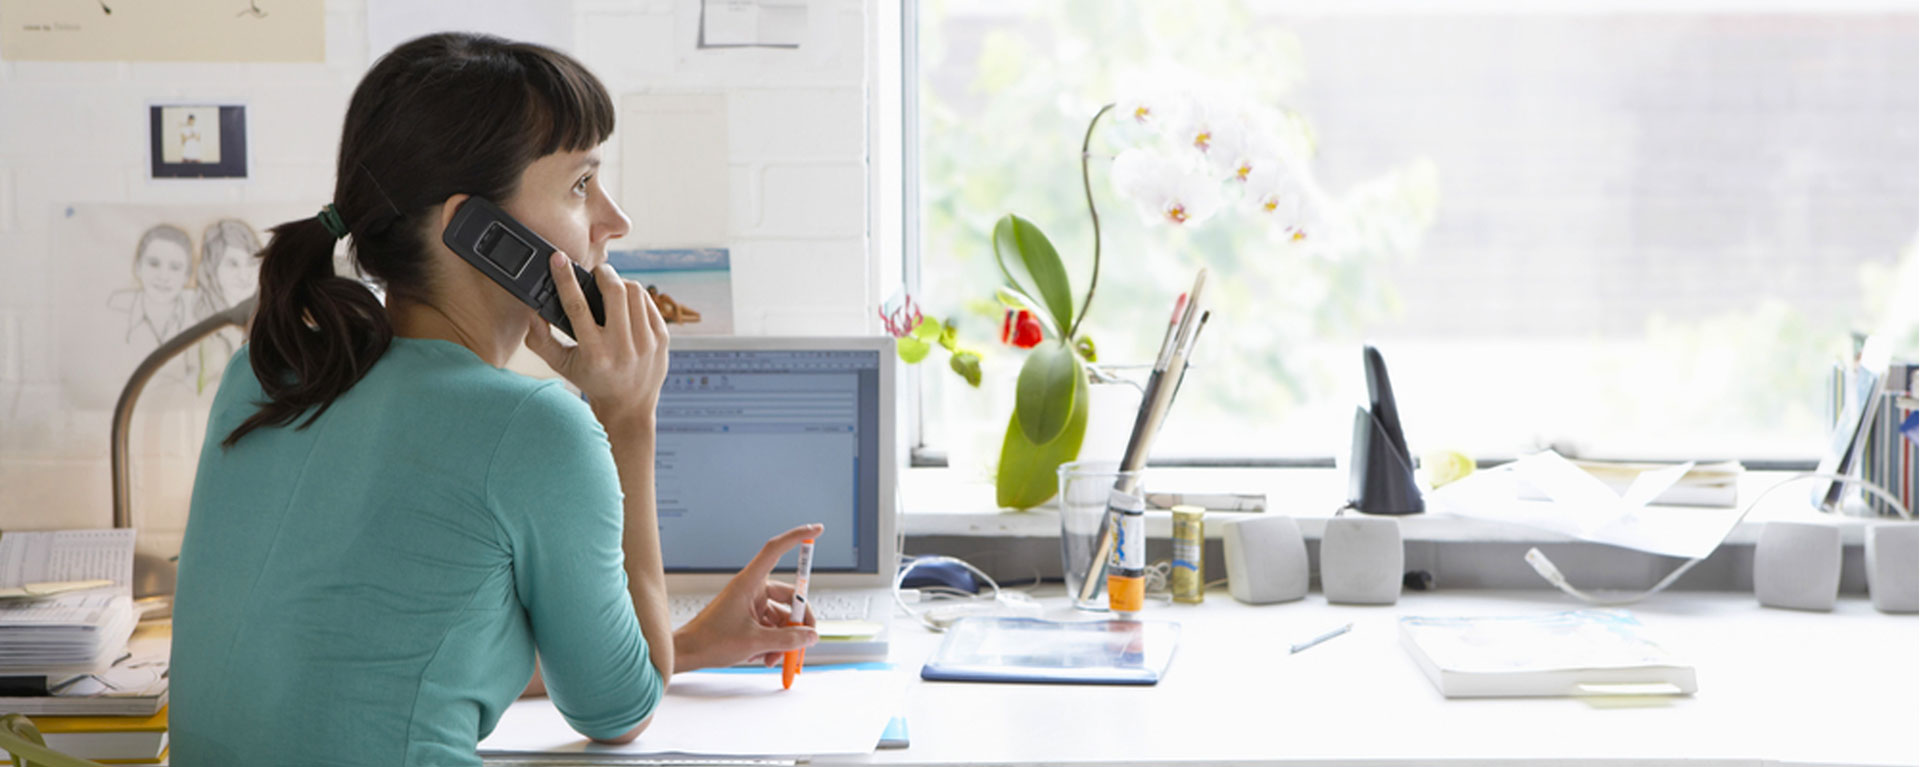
x: 756, y: 435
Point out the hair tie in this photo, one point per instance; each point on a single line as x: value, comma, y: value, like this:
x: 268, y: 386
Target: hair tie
x: 330, y: 219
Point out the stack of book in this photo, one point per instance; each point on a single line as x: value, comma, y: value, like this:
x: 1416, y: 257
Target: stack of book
x: 68, y: 634
x: 1888, y: 455
x: 1873, y: 435
x: 108, y: 739
x: 69, y: 654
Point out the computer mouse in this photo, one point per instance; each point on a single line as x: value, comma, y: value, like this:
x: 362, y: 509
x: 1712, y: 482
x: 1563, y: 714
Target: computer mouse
x: 948, y: 574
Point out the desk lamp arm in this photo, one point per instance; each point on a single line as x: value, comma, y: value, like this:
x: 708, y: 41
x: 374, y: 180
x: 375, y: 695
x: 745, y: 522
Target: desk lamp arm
x: 238, y: 315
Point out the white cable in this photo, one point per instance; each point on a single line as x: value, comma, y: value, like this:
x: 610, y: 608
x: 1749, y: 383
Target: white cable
x: 1552, y: 574
x: 900, y: 577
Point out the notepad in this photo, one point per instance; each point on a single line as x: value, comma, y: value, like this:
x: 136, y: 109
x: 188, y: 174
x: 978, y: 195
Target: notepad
x: 998, y: 649
x: 719, y: 712
x: 1578, y: 653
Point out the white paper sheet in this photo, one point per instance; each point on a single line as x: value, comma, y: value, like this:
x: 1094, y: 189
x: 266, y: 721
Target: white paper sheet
x: 725, y: 713
x: 392, y: 22
x: 761, y: 23
x: 67, y: 555
x: 176, y: 30
x: 674, y: 172
x: 1583, y: 507
x: 131, y: 276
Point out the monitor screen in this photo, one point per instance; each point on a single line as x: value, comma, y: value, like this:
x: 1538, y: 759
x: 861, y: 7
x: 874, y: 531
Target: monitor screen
x: 753, y: 442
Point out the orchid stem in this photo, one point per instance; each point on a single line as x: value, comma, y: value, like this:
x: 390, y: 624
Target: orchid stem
x: 1086, y: 182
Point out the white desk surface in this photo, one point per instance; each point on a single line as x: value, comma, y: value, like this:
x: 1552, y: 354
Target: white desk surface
x: 1776, y: 686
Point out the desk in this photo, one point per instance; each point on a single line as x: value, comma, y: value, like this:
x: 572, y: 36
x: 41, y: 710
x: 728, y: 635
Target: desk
x: 1776, y: 686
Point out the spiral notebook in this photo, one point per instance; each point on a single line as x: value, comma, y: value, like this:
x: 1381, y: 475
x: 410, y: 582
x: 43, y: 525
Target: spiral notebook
x: 990, y: 649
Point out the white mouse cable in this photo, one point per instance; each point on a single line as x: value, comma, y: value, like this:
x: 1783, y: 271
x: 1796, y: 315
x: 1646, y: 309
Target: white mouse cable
x: 1552, y: 574
x: 901, y: 577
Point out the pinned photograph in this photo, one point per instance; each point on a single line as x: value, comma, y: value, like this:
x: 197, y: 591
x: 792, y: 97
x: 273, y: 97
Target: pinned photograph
x: 692, y: 286
x: 198, y: 140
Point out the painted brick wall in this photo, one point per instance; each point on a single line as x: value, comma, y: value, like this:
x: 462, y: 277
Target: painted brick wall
x: 798, y: 138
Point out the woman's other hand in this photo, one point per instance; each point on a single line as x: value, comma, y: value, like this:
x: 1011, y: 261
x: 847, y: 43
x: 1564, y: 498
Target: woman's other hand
x: 620, y: 365
x: 747, y: 622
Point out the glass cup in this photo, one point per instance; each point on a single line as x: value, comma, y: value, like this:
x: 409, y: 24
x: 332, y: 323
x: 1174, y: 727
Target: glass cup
x: 1084, y: 487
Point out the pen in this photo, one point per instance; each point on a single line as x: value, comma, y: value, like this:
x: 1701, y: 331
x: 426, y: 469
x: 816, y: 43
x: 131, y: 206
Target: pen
x: 797, y: 616
x: 1322, y: 638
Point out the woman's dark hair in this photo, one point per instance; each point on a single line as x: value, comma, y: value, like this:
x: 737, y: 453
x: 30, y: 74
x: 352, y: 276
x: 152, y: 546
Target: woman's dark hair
x: 441, y: 115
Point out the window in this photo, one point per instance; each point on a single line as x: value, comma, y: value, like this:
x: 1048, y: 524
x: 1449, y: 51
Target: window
x: 1619, y: 228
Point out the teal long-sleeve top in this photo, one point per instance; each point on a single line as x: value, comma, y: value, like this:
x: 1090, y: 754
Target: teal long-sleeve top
x: 371, y: 589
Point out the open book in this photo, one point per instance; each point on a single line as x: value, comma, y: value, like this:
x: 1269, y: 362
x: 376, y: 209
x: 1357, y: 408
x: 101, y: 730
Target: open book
x: 1581, y: 652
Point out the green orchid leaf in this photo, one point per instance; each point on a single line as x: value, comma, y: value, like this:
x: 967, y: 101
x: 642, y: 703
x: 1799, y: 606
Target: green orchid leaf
x: 1031, y: 264
x: 1029, y: 473
x: 967, y: 364
x: 950, y: 336
x: 911, y: 349
x: 1043, y: 397
x: 928, y: 330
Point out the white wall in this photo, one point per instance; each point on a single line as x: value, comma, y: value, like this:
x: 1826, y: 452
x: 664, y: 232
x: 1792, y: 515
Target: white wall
x: 798, y: 137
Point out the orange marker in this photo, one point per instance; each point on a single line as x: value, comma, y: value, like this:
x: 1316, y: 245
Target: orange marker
x: 797, y: 616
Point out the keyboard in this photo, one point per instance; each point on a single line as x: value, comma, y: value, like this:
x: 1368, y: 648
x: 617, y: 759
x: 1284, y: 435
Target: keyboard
x: 826, y: 606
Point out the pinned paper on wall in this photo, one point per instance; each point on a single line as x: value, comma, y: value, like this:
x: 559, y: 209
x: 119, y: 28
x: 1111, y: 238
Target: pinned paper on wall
x: 752, y: 23
x: 392, y: 22
x: 176, y: 30
x: 674, y: 169
x: 131, y: 276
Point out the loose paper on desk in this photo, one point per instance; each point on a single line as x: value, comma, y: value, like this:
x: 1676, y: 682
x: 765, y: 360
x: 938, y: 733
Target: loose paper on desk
x: 1583, y: 507
x: 731, y: 713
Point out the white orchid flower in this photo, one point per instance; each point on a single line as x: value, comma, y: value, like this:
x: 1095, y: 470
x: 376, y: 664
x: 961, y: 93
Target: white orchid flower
x: 1150, y: 109
x: 1153, y: 99
x: 1174, y: 190
x: 1275, y: 194
x: 1240, y: 157
x: 1218, y: 127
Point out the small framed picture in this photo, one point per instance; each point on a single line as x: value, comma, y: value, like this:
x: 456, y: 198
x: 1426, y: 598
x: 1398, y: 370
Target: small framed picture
x: 197, y: 140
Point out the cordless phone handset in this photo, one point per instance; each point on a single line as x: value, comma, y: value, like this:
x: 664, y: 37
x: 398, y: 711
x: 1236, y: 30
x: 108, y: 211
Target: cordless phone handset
x: 516, y: 259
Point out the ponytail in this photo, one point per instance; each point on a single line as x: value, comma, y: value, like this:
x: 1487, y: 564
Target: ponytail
x: 315, y: 334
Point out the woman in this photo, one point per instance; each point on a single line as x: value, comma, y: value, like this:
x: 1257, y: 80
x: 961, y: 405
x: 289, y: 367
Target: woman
x: 385, y: 526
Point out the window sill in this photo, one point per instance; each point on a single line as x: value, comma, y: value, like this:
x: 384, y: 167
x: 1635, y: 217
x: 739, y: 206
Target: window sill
x: 939, y: 502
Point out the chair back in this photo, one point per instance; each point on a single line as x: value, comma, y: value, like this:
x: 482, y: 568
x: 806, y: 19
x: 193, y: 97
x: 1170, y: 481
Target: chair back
x: 20, y: 738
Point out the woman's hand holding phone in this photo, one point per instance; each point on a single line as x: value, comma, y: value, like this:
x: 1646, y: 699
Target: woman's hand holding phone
x: 619, y: 365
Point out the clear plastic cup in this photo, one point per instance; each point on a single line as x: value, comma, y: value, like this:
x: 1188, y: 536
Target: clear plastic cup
x: 1084, y: 487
